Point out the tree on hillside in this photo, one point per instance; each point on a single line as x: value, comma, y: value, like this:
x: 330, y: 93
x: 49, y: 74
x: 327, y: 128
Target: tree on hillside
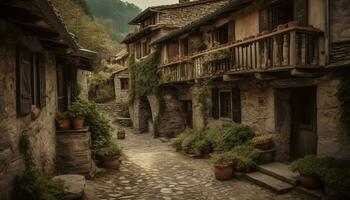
x: 89, y: 33
x: 116, y: 11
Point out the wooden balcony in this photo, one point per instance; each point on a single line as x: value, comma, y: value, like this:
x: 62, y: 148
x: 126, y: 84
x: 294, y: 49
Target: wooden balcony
x: 289, y: 49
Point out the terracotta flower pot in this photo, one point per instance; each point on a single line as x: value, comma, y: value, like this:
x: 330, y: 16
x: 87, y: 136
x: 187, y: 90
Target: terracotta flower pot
x: 310, y: 182
x: 121, y: 135
x: 111, y: 163
x: 264, y: 146
x: 223, y: 173
x: 78, y: 123
x: 63, y: 124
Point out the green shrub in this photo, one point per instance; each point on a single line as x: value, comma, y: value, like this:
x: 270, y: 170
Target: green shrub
x: 229, y: 135
x: 337, y: 178
x: 188, y: 142
x: 222, y: 159
x: 309, y: 165
x: 244, y: 157
x: 201, y: 144
x: 101, y: 131
x: 109, y: 151
x: 62, y: 115
x: 33, y: 185
x: 182, y: 136
x: 78, y: 109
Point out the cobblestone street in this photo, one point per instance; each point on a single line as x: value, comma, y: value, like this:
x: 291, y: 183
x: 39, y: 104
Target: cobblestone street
x: 152, y: 170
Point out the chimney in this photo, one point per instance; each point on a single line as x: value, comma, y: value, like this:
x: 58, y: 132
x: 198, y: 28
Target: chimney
x: 184, y: 1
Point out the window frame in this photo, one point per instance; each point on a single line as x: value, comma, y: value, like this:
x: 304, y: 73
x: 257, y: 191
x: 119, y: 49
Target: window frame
x: 124, y: 84
x: 220, y: 104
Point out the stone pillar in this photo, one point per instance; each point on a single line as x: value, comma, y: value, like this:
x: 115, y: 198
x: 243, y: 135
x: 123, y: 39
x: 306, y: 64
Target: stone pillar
x: 199, y: 118
x: 74, y: 153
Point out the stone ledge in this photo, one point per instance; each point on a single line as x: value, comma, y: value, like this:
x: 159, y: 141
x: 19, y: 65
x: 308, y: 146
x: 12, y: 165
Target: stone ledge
x: 86, y: 129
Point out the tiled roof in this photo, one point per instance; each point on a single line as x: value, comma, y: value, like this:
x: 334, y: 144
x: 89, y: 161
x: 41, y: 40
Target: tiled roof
x: 231, y: 6
x: 154, y: 9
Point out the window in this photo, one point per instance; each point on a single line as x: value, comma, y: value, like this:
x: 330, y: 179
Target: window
x: 124, y: 84
x: 224, y: 34
x: 173, y: 50
x: 225, y: 105
x: 184, y: 47
x: 152, y: 20
x: 138, y: 50
x: 145, y: 49
x: 31, y: 81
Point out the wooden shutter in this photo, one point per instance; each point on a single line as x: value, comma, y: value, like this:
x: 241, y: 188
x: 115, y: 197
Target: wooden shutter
x: 24, y: 81
x: 42, y: 80
x: 215, y: 103
x: 301, y: 12
x: 231, y: 31
x: 236, y: 105
x: 263, y: 20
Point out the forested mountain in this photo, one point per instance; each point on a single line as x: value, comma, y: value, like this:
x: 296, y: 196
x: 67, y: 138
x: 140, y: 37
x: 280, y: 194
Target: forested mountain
x: 114, y: 15
x: 89, y: 33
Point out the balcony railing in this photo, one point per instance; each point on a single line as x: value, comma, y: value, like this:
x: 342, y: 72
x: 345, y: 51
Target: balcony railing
x: 289, y: 48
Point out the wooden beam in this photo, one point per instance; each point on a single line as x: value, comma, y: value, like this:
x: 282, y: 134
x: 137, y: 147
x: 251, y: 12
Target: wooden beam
x: 39, y: 32
x: 306, y: 73
x: 231, y: 78
x: 267, y: 76
x: 11, y: 11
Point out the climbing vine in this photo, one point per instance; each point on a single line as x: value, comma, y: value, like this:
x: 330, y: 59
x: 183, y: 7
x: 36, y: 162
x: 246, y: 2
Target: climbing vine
x: 144, y: 77
x: 202, y: 97
x: 344, y: 99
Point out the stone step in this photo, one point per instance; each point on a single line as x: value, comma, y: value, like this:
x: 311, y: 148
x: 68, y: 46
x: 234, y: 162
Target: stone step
x: 269, y: 182
x: 280, y: 171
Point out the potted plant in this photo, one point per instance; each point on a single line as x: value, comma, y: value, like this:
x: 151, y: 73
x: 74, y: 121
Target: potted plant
x: 63, y: 121
x: 202, y: 147
x: 337, y: 181
x: 176, y: 142
x: 77, y: 112
x: 244, y: 157
x: 309, y: 169
x: 121, y: 135
x: 263, y: 142
x: 110, y: 156
x: 223, y: 168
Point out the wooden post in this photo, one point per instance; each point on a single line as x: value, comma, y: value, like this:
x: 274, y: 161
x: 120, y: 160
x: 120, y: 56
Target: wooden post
x: 293, y: 49
x: 285, y: 50
x: 303, y: 49
x: 275, y: 51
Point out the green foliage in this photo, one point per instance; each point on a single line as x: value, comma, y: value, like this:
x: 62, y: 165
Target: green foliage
x: 26, y: 150
x: 344, y: 99
x: 201, y: 95
x: 262, y: 139
x: 222, y: 159
x: 225, y: 137
x: 189, y: 141
x: 144, y: 77
x: 244, y: 157
x: 101, y: 131
x: 199, y: 44
x: 78, y: 109
x: 33, y: 185
x: 109, y: 151
x: 216, y: 55
x: 182, y: 136
x: 334, y: 172
x: 202, y: 144
x: 309, y: 165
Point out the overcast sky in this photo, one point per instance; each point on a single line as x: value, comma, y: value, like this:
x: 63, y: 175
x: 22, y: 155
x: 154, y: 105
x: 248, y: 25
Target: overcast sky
x: 143, y: 4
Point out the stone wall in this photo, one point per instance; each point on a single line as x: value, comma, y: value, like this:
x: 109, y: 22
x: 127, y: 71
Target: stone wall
x: 184, y: 15
x: 41, y: 130
x: 121, y: 95
x: 83, y: 84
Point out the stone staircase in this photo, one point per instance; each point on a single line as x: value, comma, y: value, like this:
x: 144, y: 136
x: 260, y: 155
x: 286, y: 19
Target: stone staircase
x: 274, y: 176
x: 116, y: 112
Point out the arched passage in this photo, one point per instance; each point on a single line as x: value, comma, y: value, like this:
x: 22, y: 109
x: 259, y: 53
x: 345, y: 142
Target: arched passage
x: 145, y: 115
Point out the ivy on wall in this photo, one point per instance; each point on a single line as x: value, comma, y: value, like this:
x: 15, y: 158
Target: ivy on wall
x: 144, y: 77
x: 201, y: 95
x: 344, y: 99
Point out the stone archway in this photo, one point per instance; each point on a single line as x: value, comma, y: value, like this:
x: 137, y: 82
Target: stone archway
x: 145, y: 115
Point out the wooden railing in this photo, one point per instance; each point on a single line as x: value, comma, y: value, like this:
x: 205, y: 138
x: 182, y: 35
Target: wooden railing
x: 295, y: 47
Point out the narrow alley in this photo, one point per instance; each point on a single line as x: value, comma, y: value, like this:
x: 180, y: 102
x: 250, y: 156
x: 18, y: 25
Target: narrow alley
x: 153, y: 170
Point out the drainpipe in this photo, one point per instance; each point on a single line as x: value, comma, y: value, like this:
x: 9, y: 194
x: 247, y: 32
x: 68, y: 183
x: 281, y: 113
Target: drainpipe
x: 327, y: 31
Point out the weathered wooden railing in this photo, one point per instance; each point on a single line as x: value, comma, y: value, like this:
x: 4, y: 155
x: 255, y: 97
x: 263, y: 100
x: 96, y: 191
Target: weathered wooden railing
x: 289, y: 48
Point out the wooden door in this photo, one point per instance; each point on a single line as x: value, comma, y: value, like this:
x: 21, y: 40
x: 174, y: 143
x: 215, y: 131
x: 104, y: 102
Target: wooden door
x: 304, y: 136
x: 187, y: 108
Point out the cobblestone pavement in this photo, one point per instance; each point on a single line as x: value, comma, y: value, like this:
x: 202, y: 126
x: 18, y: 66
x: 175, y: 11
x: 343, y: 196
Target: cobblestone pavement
x: 152, y: 170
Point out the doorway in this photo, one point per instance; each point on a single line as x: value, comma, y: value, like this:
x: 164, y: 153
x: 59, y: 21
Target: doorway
x: 145, y: 114
x: 187, y: 109
x: 303, y: 122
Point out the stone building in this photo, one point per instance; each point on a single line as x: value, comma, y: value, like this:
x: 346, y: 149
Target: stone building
x: 120, y: 58
x: 121, y: 86
x: 38, y: 66
x: 153, y: 23
x: 273, y: 65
